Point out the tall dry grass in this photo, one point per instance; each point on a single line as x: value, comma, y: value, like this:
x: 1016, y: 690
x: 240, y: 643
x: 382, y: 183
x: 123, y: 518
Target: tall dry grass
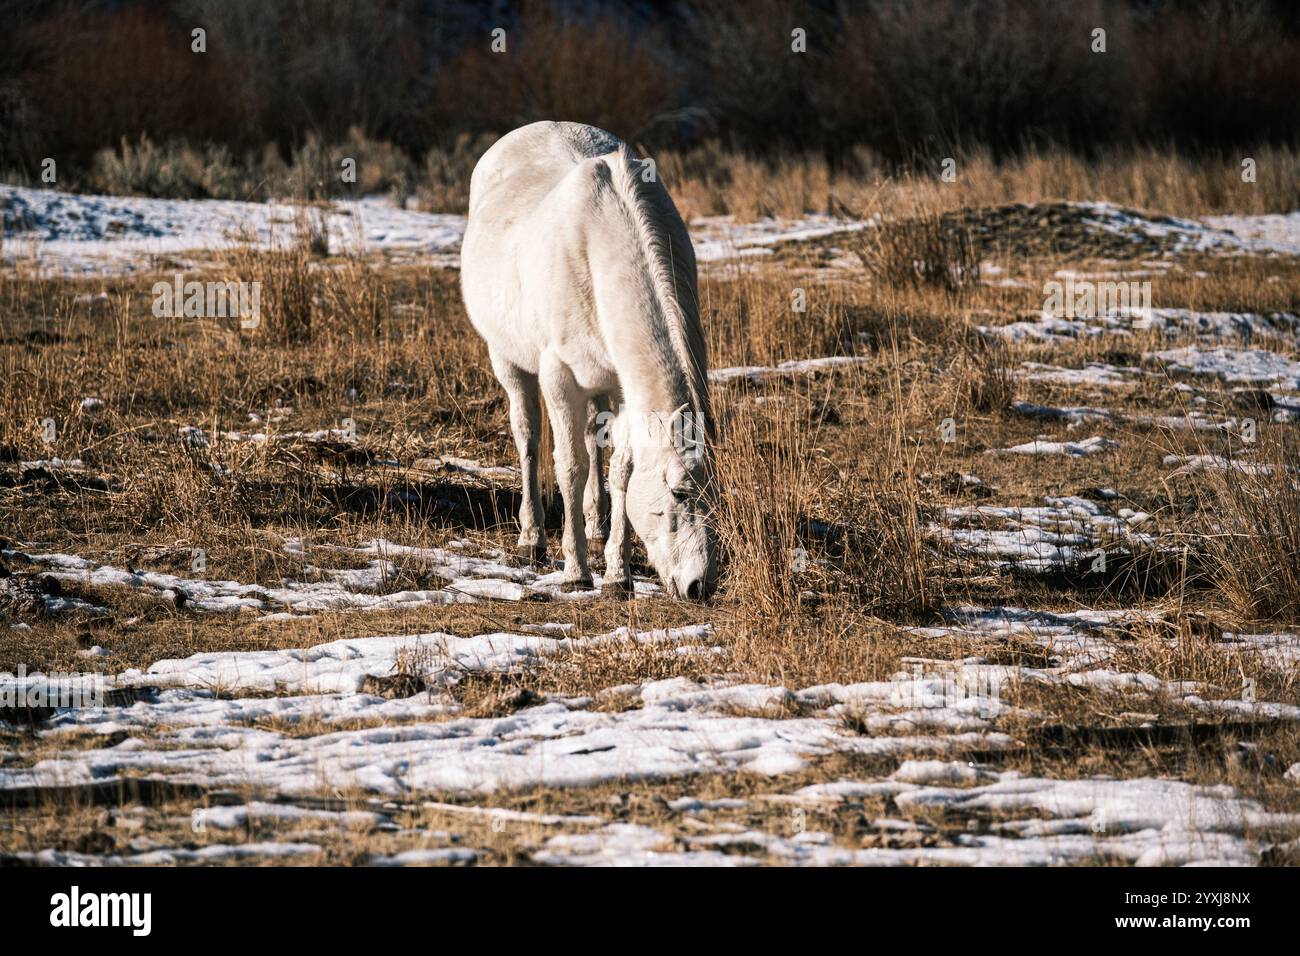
x: 921, y: 250
x: 768, y: 486
x: 978, y: 378
x: 889, y: 566
x: 1253, y: 540
x: 797, y: 524
x: 711, y: 180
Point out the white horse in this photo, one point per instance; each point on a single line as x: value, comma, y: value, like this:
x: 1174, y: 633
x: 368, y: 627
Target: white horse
x: 580, y: 276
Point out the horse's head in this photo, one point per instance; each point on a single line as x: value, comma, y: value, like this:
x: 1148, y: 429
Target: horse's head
x: 669, y: 502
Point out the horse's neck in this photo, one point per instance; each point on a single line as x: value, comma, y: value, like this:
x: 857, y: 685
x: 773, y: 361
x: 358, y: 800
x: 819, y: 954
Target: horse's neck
x: 650, y: 372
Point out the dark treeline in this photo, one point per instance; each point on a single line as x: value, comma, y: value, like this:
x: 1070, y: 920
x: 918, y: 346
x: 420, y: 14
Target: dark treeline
x: 899, y: 77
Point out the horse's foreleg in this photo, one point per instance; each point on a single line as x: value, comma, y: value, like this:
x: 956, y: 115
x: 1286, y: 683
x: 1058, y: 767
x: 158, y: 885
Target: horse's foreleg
x: 525, y: 424
x: 618, y: 550
x: 567, y: 408
x: 595, y: 500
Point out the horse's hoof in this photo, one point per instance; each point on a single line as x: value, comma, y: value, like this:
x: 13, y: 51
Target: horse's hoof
x: 530, y: 553
x: 619, y: 590
x: 582, y: 584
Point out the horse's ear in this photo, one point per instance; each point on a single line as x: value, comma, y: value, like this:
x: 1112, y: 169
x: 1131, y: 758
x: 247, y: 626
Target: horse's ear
x: 673, y: 426
x: 686, y: 431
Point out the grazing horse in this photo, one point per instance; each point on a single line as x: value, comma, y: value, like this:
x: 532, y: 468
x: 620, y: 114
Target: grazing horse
x: 579, y: 274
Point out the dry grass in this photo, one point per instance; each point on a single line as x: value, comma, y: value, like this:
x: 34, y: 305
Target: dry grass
x: 766, y: 477
x: 979, y: 377
x: 829, y: 483
x: 713, y: 181
x: 921, y: 250
x: 1253, y: 539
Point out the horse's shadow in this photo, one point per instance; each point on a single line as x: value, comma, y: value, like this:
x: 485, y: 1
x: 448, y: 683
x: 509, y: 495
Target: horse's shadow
x: 443, y: 503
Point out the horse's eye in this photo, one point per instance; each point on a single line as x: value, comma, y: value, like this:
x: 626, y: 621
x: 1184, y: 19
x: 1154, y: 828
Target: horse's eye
x: 681, y: 494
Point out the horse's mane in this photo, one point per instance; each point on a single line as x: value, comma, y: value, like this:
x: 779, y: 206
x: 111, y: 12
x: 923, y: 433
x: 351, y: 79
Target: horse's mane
x: 671, y: 259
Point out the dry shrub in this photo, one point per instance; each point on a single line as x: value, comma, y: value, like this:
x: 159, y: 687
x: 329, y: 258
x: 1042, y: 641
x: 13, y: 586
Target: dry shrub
x: 290, y: 288
x: 302, y: 298
x: 1253, y: 511
x: 793, y: 527
x: 765, y: 476
x: 357, y: 299
x: 288, y: 293
x: 316, y: 169
x: 887, y: 563
x: 179, y: 170
x: 712, y: 180
x: 921, y: 251
x: 978, y: 378
x: 172, y: 170
x: 445, y: 187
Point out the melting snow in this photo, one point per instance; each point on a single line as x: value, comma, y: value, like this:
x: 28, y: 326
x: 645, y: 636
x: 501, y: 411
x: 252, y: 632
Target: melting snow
x: 344, y: 666
x: 470, y: 578
x: 923, y: 715
x: 1059, y: 533
x: 90, y: 234
x: 1272, y: 232
x: 1241, y: 327
x: 1094, y: 374
x: 80, y: 233
x: 1073, y: 449
x: 756, y: 373
x: 1254, y: 366
x: 546, y: 745
x: 721, y: 237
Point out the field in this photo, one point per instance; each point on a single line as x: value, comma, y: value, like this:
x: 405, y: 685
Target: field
x: 999, y: 585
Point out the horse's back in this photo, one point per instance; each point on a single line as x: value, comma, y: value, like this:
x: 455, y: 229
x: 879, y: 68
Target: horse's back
x: 526, y: 165
x: 524, y: 258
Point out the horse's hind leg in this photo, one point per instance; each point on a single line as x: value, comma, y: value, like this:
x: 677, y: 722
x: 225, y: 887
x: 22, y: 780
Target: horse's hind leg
x: 525, y: 423
x: 595, y: 499
x: 567, y: 407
